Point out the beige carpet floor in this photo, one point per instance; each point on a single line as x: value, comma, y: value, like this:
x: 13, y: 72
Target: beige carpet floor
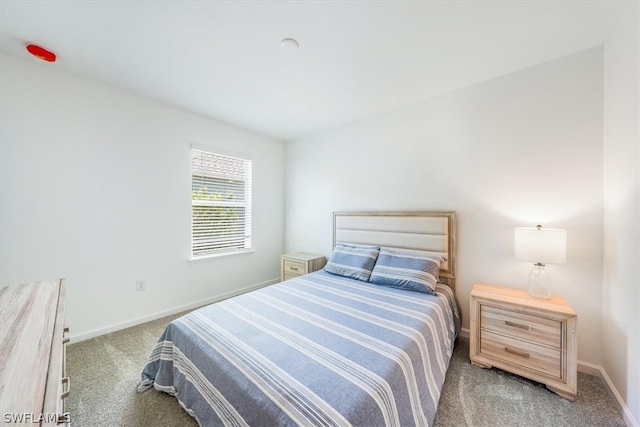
x: 105, y: 372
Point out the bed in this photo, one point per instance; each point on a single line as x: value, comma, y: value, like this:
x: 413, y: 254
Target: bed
x: 325, y: 348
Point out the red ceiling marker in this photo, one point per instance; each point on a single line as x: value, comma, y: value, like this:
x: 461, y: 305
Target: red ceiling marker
x: 41, y: 53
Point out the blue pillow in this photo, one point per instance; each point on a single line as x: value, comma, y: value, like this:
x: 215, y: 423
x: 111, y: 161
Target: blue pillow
x: 352, y: 261
x: 411, y: 270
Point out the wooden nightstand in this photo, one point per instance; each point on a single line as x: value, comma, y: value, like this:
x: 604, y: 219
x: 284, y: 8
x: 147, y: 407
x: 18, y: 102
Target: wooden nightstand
x: 527, y: 336
x: 292, y: 265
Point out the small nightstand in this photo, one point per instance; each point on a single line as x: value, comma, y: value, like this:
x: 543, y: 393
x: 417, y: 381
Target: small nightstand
x: 531, y: 337
x: 292, y: 265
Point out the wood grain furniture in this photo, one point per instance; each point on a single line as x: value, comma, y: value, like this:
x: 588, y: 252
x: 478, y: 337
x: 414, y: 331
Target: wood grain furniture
x: 297, y: 264
x: 33, y: 338
x: 527, y: 336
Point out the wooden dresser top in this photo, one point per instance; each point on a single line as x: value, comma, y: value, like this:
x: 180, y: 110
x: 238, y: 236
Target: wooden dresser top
x: 27, y: 318
x: 521, y: 297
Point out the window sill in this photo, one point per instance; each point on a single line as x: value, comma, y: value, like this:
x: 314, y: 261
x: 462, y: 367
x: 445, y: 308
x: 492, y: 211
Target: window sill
x: 220, y: 255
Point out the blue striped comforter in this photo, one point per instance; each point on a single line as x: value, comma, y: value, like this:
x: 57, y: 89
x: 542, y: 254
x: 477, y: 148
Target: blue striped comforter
x: 319, y: 349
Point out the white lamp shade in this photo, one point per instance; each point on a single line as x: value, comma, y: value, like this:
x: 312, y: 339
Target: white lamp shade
x: 541, y: 245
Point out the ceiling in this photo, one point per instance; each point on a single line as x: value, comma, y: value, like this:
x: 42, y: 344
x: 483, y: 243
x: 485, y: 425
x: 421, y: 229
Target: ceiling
x: 223, y: 59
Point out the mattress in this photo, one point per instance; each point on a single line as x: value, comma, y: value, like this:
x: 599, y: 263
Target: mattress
x: 318, y: 349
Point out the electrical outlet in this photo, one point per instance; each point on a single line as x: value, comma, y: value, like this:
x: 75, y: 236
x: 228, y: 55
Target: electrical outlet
x: 141, y: 285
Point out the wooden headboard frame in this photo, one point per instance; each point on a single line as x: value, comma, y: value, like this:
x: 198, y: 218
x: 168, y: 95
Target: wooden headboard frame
x: 433, y: 231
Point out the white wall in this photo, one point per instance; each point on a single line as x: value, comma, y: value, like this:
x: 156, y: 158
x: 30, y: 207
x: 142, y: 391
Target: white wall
x: 95, y: 186
x: 519, y: 150
x: 621, y: 278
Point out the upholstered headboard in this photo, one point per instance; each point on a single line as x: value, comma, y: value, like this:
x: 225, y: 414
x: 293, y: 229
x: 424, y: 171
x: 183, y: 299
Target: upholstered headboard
x: 423, y: 230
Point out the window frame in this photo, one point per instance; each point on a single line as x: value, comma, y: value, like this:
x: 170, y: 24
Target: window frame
x: 247, y: 204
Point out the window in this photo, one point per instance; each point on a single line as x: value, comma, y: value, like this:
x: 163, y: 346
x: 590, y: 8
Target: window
x: 220, y: 204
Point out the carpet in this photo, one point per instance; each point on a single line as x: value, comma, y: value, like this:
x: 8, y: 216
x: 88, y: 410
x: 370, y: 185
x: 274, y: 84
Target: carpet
x: 105, y: 371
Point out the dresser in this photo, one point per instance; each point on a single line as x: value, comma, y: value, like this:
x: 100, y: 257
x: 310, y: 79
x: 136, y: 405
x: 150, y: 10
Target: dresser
x: 297, y: 264
x: 531, y: 337
x: 33, y: 339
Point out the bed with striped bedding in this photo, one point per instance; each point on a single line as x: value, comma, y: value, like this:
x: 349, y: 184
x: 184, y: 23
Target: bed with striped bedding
x: 318, y: 349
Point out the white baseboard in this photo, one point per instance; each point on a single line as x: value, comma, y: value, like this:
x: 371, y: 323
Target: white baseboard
x: 137, y: 321
x: 596, y: 371
x: 590, y: 368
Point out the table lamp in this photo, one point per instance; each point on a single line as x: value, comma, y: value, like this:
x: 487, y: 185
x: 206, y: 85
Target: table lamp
x: 542, y: 246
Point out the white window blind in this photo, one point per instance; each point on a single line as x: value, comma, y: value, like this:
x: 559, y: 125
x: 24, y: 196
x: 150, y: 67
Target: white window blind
x: 220, y: 204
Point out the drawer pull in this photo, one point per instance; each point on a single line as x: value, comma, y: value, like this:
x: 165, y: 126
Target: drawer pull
x: 517, y: 325
x: 516, y: 352
x: 65, y: 394
x: 293, y: 268
x: 65, y: 335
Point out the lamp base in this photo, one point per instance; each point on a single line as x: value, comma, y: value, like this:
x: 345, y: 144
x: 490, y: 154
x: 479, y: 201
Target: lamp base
x: 539, y: 282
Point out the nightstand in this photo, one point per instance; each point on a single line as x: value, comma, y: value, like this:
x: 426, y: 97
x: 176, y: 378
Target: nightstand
x: 531, y: 337
x: 297, y: 264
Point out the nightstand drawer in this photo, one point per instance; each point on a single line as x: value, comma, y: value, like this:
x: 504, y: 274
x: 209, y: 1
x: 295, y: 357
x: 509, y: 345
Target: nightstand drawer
x: 538, y: 330
x: 293, y: 268
x: 527, y: 336
x: 542, y: 359
x: 297, y: 264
